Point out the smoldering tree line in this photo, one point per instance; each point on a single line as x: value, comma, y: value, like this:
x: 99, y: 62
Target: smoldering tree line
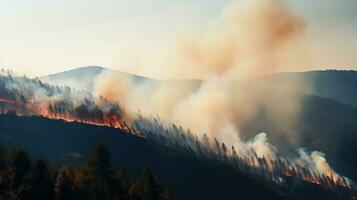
x: 283, y: 172
x: 33, y: 97
x: 28, y: 96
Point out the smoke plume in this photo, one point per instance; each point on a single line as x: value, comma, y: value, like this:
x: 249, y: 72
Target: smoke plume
x: 249, y: 40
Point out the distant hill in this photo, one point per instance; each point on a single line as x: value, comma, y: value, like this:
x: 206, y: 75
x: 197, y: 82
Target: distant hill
x: 332, y: 84
x: 83, y: 78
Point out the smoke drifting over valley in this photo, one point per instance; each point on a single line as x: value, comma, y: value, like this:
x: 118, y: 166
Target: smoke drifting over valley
x: 249, y: 40
x: 214, y: 100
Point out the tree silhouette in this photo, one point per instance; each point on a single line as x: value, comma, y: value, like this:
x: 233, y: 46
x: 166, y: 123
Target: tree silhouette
x: 82, y: 182
x: 167, y: 194
x: 3, y: 154
x: 64, y: 186
x: 19, y: 166
x: 101, y: 172
x: 124, y: 183
x: 146, y: 187
x: 38, y: 182
x: 5, y: 192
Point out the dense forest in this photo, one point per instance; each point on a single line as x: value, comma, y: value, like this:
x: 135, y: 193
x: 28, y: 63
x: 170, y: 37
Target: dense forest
x: 189, y: 174
x: 24, y: 178
x: 197, y: 168
x: 283, y: 173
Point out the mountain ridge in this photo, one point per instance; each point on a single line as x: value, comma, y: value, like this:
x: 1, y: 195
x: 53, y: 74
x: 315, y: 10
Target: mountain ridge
x: 321, y: 116
x: 339, y: 85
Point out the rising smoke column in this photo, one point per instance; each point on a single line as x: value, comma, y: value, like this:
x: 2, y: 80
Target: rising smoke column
x: 252, y: 39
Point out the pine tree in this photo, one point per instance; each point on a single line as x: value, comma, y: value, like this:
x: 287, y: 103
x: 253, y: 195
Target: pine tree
x: 38, y: 182
x: 19, y: 166
x: 146, y: 187
x: 167, y: 194
x: 101, y: 171
x: 4, y: 187
x: 83, y: 182
x: 224, y: 150
x: 123, y: 178
x: 64, y: 187
x: 124, y: 183
x: 3, y: 155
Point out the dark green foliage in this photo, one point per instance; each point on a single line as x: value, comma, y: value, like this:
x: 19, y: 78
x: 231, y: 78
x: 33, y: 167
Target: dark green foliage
x: 191, y: 177
x: 38, y: 183
x: 2, y: 157
x: 19, y: 165
x: 102, y: 175
x: 64, y: 187
x: 23, y: 179
x: 83, y: 182
x: 5, y: 192
x: 167, y: 194
x: 146, y: 187
x: 124, y: 182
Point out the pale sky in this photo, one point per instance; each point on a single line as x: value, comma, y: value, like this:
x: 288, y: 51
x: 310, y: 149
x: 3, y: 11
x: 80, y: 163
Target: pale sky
x: 38, y: 37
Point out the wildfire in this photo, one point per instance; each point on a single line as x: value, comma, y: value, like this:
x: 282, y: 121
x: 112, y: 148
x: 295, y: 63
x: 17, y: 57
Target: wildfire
x: 3, y: 100
x: 286, y: 169
x: 281, y: 172
x: 25, y: 109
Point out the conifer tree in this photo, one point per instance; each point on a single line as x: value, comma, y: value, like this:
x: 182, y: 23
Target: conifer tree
x: 38, y: 182
x: 146, y: 187
x: 4, y: 187
x: 3, y: 154
x: 101, y: 171
x: 167, y: 194
x: 83, y: 182
x: 64, y: 186
x: 19, y: 166
x: 124, y: 183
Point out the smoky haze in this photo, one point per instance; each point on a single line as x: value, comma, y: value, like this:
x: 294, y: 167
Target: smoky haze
x: 257, y: 38
x: 249, y: 40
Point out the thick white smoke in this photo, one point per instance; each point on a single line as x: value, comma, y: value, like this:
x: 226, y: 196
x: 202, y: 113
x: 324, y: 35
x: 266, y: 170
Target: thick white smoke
x: 315, y: 160
x: 250, y: 39
x: 254, y: 39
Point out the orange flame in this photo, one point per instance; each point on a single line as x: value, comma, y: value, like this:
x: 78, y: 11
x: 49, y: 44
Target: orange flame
x: 23, y: 109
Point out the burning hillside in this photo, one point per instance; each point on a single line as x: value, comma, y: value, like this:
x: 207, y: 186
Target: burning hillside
x: 258, y: 158
x: 310, y: 167
x: 25, y: 96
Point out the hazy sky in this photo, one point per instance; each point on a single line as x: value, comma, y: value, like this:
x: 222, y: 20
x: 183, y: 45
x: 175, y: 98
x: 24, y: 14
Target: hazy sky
x: 45, y: 36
